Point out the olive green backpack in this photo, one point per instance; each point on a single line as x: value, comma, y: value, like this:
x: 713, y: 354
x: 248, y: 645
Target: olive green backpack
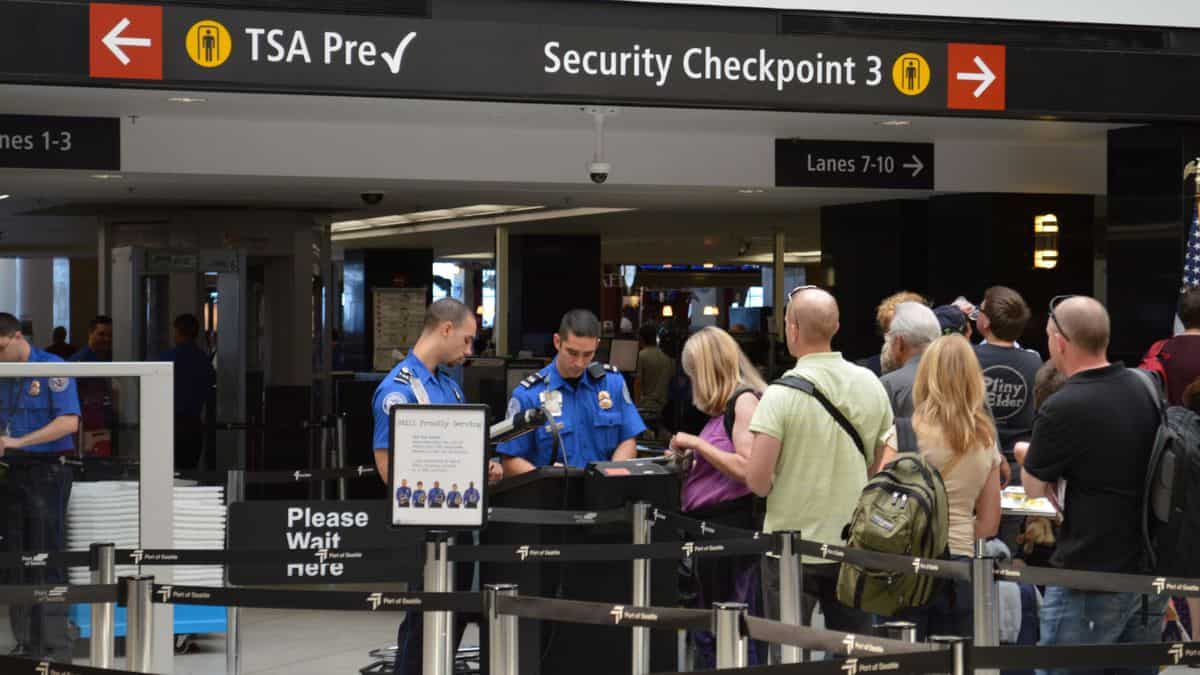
x: 903, y: 510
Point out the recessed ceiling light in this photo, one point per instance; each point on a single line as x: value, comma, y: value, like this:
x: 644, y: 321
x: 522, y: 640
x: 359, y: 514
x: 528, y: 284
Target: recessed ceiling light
x: 187, y: 99
x: 750, y: 191
x: 4, y: 197
x: 895, y: 123
x: 107, y: 176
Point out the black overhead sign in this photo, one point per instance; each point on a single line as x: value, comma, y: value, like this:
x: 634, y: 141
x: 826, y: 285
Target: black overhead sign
x: 188, y: 47
x: 34, y: 142
x: 331, y: 532
x: 853, y: 164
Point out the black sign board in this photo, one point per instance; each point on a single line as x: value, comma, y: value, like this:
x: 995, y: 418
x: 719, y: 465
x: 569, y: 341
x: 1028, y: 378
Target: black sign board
x: 37, y: 142
x: 853, y: 164
x: 331, y: 532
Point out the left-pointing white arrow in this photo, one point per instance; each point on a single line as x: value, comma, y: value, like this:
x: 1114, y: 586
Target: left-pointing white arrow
x: 114, y: 41
x: 985, y: 77
x: 915, y: 165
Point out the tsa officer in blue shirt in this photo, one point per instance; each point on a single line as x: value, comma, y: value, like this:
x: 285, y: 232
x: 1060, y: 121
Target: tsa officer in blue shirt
x: 39, y: 417
x: 446, y: 338
x: 589, y: 402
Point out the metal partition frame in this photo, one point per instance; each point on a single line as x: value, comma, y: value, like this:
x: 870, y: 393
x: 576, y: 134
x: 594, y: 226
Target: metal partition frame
x: 156, y: 486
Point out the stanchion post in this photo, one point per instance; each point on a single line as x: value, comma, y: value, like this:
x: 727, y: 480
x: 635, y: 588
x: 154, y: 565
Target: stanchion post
x: 791, y: 582
x: 235, y: 491
x: 958, y: 651
x: 438, y: 653
x: 502, y: 631
x: 733, y: 647
x: 899, y: 630
x: 683, y: 663
x: 641, y: 587
x: 341, y: 454
x: 323, y: 463
x: 986, y: 596
x: 104, y: 572
x: 139, y: 623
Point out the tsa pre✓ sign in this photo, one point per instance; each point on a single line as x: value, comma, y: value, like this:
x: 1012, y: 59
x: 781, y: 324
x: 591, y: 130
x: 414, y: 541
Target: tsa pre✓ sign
x: 438, y: 466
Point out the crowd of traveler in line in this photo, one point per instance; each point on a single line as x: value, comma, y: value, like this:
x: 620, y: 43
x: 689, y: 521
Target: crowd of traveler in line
x: 1076, y: 429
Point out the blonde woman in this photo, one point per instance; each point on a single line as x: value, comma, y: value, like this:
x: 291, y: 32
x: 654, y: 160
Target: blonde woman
x: 957, y: 435
x: 726, y: 387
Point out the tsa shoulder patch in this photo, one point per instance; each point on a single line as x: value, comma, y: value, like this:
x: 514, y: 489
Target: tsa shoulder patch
x: 394, y: 398
x: 514, y: 407
x: 58, y: 384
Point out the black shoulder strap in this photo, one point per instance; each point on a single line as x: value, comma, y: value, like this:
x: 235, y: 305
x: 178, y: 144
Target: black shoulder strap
x: 806, y: 386
x: 1155, y: 388
x: 906, y: 438
x: 731, y: 409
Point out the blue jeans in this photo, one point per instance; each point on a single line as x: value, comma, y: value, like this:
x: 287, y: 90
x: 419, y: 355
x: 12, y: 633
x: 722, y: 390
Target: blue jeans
x: 1071, y: 617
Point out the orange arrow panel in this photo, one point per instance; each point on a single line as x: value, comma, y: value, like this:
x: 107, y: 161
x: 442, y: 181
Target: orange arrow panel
x: 975, y: 77
x: 125, y: 41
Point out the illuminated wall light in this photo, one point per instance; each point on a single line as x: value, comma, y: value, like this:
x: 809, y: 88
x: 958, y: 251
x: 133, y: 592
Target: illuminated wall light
x: 667, y: 312
x: 711, y: 310
x: 479, y: 310
x: 709, y: 266
x: 1045, y: 242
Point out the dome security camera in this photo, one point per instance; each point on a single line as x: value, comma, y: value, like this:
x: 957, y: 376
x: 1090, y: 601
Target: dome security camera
x: 372, y: 197
x: 598, y: 171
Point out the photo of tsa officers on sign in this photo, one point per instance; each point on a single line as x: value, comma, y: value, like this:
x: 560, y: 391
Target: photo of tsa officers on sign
x: 444, y: 447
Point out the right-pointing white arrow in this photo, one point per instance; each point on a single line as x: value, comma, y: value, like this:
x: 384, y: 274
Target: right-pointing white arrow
x: 985, y: 77
x: 915, y: 165
x: 114, y: 41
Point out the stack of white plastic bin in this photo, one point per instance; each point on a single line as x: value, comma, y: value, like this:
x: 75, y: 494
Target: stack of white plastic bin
x: 107, y: 512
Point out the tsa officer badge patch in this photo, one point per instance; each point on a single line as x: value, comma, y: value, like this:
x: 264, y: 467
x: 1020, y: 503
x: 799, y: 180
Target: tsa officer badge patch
x: 605, y: 400
x: 35, y: 387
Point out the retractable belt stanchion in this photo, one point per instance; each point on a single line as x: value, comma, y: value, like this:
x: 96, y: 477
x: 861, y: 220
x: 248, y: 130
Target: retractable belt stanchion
x: 104, y: 572
x: 340, y: 439
x: 733, y: 647
x: 641, y: 588
x: 791, y: 582
x: 985, y: 594
x: 502, y: 631
x: 958, y: 648
x: 899, y: 630
x: 439, y: 578
x: 683, y: 662
x: 139, y: 616
x: 235, y: 491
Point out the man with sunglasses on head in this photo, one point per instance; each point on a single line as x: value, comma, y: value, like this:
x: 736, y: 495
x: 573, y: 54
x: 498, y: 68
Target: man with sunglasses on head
x: 39, y: 417
x: 812, y: 462
x: 1096, y: 433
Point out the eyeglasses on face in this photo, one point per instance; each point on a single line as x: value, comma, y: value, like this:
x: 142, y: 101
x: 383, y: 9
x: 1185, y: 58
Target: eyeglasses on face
x: 1054, y: 302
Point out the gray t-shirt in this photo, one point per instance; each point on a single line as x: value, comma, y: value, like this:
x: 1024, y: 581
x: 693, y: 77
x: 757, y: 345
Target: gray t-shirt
x: 899, y: 387
x: 1008, y: 374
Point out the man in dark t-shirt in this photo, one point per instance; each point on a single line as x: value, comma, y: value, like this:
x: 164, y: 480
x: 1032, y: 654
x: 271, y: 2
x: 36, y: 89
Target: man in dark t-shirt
x: 1180, y: 356
x: 1008, y: 370
x: 1095, y: 434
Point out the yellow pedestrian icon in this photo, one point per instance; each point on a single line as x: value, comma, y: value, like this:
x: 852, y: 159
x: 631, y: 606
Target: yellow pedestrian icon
x: 208, y: 43
x: 911, y: 74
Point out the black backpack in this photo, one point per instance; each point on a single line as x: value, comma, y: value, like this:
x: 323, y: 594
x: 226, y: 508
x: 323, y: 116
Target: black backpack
x: 1171, y: 504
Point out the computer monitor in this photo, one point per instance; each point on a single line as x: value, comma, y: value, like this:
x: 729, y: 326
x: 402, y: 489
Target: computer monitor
x: 624, y: 355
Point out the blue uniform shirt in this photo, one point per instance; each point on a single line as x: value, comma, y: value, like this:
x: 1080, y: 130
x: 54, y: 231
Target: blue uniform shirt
x: 194, y: 379
x: 454, y: 499
x: 418, y: 500
x: 403, y: 495
x: 410, y: 382
x: 596, y: 416
x: 471, y: 497
x: 30, y: 403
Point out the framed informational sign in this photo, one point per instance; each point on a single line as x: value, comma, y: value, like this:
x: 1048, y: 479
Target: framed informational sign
x: 437, y: 459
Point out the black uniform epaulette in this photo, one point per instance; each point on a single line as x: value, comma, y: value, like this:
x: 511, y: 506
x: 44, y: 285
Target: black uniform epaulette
x: 531, y: 380
x: 403, y: 376
x: 598, y: 371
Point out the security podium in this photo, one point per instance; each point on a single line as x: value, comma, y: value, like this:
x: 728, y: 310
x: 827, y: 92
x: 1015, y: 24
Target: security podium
x: 551, y: 647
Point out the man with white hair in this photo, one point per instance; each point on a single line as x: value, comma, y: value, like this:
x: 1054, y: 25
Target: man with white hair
x: 913, y: 328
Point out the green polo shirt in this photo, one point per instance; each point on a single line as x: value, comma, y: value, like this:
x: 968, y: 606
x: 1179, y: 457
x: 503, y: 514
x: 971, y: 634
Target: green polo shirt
x: 820, y: 472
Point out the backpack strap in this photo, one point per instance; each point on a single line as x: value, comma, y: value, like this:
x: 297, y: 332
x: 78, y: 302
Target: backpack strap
x: 731, y: 409
x: 805, y: 385
x: 1155, y: 388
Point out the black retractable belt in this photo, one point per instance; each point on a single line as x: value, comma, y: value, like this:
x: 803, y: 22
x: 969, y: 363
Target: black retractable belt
x: 601, y: 614
x: 934, y: 567
x: 1105, y: 582
x: 12, y: 665
x: 57, y: 595
x: 1087, y: 656
x: 319, y: 600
